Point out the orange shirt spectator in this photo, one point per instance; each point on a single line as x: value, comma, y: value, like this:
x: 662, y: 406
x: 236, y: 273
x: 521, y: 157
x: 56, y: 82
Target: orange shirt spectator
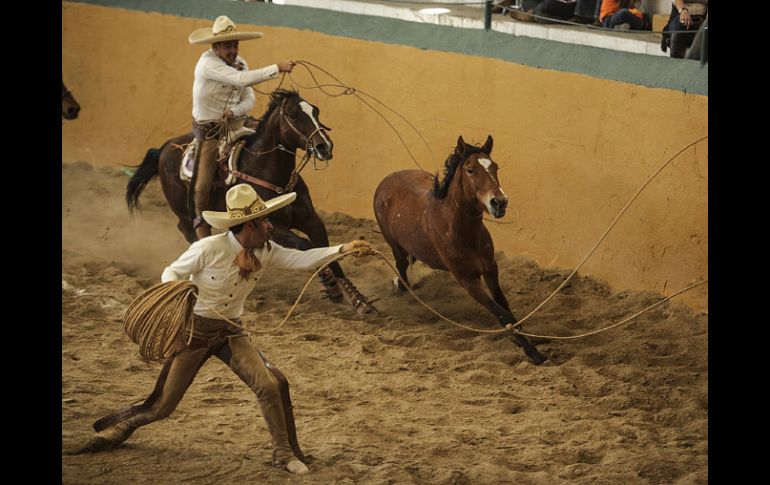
x: 610, y: 7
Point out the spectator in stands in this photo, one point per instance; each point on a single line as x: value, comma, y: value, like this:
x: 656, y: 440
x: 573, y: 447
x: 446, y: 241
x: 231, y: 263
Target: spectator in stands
x: 578, y: 11
x: 623, y: 15
x: 586, y: 11
x: 685, y: 17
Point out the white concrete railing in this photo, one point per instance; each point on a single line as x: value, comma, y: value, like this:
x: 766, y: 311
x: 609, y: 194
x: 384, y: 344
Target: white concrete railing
x: 507, y: 26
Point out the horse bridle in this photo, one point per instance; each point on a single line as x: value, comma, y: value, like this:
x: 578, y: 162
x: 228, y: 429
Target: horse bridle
x: 294, y: 177
x: 308, y: 138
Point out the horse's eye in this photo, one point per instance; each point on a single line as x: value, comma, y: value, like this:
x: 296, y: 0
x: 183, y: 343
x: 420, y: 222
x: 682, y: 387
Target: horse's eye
x: 469, y: 170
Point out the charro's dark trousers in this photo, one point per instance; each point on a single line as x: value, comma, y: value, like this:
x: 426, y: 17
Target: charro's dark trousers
x: 241, y: 356
x: 206, y: 166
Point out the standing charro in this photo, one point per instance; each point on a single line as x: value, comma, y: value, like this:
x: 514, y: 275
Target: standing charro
x: 222, y: 98
x: 224, y: 269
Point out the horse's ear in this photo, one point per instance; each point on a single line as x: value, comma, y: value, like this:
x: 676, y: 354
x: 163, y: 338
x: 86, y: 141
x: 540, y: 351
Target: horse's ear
x: 324, y: 126
x: 460, y: 144
x: 487, y: 148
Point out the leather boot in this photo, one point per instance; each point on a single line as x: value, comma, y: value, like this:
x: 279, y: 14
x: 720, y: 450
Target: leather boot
x: 106, y: 440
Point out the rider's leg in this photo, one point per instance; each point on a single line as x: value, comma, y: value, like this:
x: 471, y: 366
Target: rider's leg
x: 207, y: 165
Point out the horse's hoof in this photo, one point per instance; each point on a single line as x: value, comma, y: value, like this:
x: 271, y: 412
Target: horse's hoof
x: 398, y: 285
x: 537, y: 358
x: 364, y: 308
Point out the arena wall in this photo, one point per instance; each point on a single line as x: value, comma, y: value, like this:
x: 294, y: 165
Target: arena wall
x: 577, y: 130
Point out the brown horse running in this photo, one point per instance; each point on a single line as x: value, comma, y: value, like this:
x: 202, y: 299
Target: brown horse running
x: 268, y: 159
x: 69, y: 107
x: 441, y: 225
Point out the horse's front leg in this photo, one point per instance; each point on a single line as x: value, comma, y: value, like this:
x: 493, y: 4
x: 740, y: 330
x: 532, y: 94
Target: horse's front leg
x: 315, y: 229
x: 313, y: 226
x: 285, y: 237
x: 493, y: 283
x: 288, y: 239
x: 476, y: 290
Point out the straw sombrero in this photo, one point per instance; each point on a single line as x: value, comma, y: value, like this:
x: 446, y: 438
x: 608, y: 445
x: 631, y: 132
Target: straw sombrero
x: 223, y: 30
x: 243, y: 204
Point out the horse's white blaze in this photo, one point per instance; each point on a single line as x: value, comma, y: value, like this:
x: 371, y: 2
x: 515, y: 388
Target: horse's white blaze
x: 308, y: 110
x: 487, y: 200
x: 485, y: 162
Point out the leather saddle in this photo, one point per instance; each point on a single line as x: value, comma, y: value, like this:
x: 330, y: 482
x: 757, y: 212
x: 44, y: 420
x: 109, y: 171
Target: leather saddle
x: 231, y: 150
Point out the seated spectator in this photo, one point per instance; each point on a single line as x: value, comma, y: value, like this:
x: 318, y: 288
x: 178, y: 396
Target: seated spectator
x: 586, y: 11
x: 685, y: 17
x: 623, y: 15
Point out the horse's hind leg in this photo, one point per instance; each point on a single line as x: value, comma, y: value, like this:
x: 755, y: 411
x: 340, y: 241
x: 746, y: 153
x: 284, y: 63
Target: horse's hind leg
x: 186, y: 228
x: 402, y: 263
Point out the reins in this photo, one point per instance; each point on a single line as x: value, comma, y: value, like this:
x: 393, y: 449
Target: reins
x: 293, y: 177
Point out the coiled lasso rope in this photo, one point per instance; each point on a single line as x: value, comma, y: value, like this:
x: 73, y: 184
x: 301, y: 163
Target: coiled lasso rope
x: 155, y: 317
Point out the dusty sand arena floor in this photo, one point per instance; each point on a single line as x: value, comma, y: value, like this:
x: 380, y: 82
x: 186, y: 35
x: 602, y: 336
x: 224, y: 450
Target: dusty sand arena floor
x: 397, y: 398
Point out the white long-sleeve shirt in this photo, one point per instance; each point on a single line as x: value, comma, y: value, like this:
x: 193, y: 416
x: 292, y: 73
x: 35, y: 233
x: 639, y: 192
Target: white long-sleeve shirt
x: 209, y: 264
x: 218, y: 87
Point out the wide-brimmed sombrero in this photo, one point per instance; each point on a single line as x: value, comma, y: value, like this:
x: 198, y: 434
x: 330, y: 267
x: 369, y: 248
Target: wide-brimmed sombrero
x: 244, y: 204
x: 223, y: 30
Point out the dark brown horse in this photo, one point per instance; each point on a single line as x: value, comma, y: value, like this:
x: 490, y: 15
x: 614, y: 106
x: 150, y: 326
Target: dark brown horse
x: 267, y: 160
x: 69, y: 107
x: 441, y: 225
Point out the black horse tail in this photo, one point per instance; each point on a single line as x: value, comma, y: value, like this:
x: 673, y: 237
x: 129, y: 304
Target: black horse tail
x: 146, y: 171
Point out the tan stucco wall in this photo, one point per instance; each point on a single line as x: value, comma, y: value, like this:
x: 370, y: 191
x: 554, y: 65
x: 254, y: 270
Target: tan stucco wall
x: 572, y: 148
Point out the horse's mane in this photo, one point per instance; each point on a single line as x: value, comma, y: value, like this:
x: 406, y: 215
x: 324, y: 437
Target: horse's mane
x: 450, y: 167
x: 276, y: 99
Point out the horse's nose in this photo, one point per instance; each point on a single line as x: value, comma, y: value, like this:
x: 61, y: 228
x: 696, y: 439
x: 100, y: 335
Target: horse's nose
x: 499, y: 203
x: 498, y: 206
x: 324, y: 150
x: 72, y: 112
